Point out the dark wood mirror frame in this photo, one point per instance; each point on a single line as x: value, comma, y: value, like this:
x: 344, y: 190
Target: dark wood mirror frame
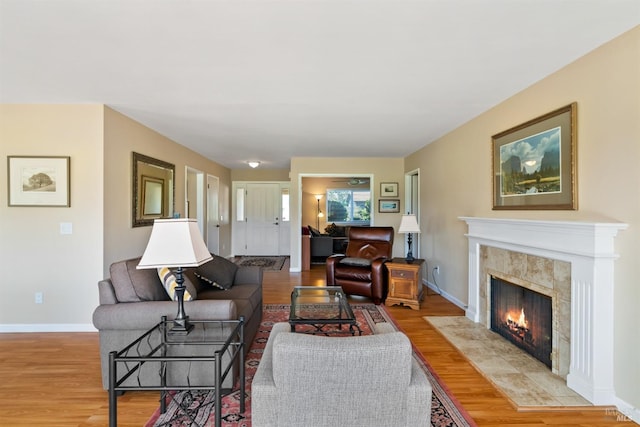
x: 151, y: 174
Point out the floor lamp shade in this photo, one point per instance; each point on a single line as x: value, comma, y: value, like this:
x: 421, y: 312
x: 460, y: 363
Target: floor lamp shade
x: 176, y: 243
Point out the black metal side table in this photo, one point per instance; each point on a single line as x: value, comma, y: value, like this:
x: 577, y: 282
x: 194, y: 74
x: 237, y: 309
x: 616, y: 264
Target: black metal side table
x: 181, y: 362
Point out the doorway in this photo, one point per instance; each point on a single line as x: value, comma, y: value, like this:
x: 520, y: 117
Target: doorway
x: 261, y: 223
x: 213, y: 214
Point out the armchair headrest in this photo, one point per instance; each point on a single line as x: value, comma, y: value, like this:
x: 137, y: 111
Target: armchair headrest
x: 370, y: 242
x: 384, y: 234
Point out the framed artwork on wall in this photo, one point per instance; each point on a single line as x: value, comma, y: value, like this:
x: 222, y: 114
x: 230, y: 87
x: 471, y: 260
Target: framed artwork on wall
x: 388, y: 206
x: 534, y: 164
x: 388, y: 189
x: 39, y: 181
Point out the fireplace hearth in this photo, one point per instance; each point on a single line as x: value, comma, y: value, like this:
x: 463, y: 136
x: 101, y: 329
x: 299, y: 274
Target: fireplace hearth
x: 523, y: 317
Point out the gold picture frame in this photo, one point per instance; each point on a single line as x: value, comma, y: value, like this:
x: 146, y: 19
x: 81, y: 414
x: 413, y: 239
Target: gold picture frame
x: 153, y: 191
x: 535, y: 163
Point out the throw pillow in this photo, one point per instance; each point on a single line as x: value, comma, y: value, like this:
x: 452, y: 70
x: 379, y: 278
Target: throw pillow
x: 313, y: 231
x: 360, y: 262
x: 133, y: 285
x: 219, y: 272
x: 168, y: 280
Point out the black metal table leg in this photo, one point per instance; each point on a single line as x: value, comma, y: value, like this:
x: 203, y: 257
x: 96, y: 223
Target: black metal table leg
x: 113, y: 398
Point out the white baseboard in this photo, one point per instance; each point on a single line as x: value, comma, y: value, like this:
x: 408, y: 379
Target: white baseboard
x: 627, y: 413
x: 47, y: 327
x: 446, y: 296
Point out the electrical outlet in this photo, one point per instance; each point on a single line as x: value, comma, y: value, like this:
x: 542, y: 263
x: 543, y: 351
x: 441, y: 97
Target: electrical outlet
x: 39, y: 298
x: 437, y: 269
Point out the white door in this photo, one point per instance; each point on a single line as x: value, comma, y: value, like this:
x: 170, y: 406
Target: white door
x: 262, y: 218
x: 213, y: 214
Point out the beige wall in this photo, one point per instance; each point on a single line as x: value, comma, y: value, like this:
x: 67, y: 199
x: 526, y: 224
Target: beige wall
x: 258, y: 174
x: 380, y: 169
x: 122, y: 136
x: 34, y: 256
x: 456, y: 179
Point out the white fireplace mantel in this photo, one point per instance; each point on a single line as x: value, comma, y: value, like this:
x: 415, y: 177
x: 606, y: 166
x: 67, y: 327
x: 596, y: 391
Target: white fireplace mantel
x: 589, y: 248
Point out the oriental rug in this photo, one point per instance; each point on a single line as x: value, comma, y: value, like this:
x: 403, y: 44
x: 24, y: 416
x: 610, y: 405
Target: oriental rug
x: 445, y: 409
x: 266, y: 262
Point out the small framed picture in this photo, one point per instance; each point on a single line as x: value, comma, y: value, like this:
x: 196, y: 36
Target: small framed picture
x: 388, y: 189
x: 388, y: 206
x: 38, y: 181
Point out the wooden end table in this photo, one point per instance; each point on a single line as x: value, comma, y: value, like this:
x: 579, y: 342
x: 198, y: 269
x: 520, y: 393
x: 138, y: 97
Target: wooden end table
x: 405, y: 282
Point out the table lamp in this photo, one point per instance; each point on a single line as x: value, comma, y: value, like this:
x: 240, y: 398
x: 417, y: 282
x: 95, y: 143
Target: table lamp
x: 409, y: 225
x: 176, y: 243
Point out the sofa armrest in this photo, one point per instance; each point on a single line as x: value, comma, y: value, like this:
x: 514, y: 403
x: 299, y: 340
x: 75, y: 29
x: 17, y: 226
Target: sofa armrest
x: 248, y: 275
x: 264, y: 401
x: 106, y: 292
x: 144, y: 315
x: 383, y: 328
x: 418, y: 397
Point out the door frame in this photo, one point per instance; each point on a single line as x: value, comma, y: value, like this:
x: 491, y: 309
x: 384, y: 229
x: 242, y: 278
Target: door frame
x: 297, y: 234
x: 412, y: 205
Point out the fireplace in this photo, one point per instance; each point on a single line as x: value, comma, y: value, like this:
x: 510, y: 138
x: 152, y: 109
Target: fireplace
x: 586, y: 251
x: 523, y: 317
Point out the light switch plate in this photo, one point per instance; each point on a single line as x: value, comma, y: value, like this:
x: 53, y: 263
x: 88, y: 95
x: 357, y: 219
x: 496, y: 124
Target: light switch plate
x: 66, y: 228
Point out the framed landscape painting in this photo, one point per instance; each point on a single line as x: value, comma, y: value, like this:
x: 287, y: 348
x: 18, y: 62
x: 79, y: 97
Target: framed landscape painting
x: 534, y: 164
x: 388, y: 189
x: 388, y: 206
x: 38, y: 181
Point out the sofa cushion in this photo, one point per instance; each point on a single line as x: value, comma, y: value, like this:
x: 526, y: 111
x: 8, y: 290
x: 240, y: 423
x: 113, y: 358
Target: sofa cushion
x: 219, y: 272
x: 133, y: 285
x: 168, y: 280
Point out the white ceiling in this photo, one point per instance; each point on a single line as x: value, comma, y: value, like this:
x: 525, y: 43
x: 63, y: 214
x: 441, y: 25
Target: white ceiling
x: 267, y: 80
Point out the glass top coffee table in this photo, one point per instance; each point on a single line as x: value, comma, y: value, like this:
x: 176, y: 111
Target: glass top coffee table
x: 322, y: 308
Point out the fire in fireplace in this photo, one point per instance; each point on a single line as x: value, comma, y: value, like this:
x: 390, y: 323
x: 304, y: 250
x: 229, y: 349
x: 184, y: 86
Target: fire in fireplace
x: 523, y: 317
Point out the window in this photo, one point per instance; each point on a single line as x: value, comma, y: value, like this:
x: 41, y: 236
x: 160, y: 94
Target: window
x: 284, y: 194
x: 240, y: 192
x: 349, y: 206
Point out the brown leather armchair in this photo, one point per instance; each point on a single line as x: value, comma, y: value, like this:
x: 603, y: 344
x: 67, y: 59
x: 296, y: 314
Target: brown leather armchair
x: 361, y: 270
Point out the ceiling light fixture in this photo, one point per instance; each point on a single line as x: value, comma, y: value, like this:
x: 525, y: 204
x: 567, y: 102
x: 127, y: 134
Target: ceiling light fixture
x: 253, y: 164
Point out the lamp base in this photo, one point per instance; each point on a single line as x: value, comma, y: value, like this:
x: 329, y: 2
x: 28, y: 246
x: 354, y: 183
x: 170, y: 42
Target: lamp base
x: 409, y: 259
x: 181, y: 327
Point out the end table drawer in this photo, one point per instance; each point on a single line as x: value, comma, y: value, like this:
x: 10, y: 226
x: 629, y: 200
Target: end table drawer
x: 402, y: 274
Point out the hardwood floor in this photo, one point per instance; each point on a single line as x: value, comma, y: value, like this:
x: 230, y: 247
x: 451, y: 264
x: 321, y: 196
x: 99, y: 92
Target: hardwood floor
x: 53, y: 379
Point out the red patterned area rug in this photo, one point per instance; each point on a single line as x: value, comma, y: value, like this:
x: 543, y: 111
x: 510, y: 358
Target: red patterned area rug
x: 446, y: 411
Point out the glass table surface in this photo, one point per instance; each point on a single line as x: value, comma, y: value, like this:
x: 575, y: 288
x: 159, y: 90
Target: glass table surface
x: 320, y: 306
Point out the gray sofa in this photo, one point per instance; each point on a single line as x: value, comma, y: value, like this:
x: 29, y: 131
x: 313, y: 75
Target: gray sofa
x: 361, y: 381
x: 133, y: 301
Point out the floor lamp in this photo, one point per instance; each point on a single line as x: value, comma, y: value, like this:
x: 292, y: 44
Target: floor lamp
x: 319, y: 213
x: 176, y: 243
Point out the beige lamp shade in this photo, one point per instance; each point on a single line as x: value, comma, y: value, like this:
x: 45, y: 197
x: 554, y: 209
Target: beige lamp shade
x: 409, y: 224
x: 175, y: 243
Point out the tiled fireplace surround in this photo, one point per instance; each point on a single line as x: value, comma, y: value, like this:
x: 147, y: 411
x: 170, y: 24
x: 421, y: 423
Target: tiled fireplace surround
x: 573, y: 263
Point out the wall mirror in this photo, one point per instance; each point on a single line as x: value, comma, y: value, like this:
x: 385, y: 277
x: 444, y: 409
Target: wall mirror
x: 153, y: 190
